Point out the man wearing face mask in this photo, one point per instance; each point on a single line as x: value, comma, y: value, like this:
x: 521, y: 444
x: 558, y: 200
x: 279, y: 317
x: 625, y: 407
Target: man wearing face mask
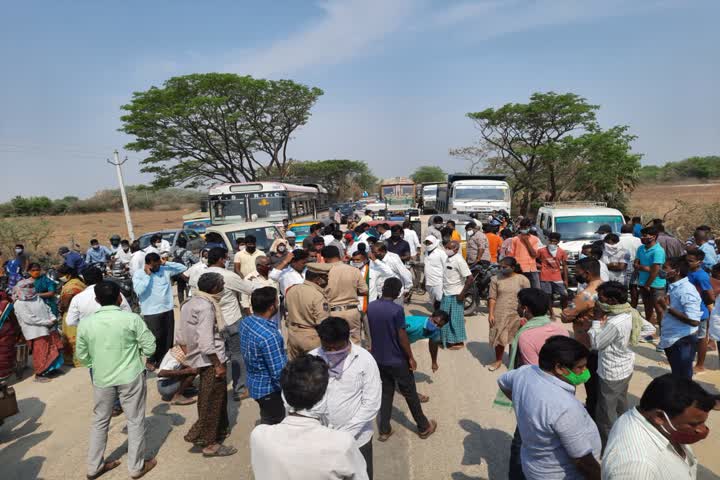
x: 683, y: 312
x: 114, y: 243
x: 72, y: 259
x: 193, y: 273
x: 264, y: 354
x: 648, y: 263
x: 435, y: 260
x: 616, y: 258
x: 380, y: 252
x: 457, y: 280
x: 524, y: 248
x: 123, y: 254
x: 153, y: 286
x: 652, y: 441
x: 436, y: 228
x: 345, y: 285
x: 259, y: 278
x: 354, y: 389
x: 477, y: 244
x: 245, y: 259
x: 97, y: 253
x: 137, y: 262
x: 612, y: 335
x: 307, y: 306
x: 559, y: 439
x: 554, y: 270
x: 291, y: 239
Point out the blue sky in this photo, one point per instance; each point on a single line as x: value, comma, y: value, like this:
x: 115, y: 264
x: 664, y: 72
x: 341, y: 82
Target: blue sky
x: 398, y: 75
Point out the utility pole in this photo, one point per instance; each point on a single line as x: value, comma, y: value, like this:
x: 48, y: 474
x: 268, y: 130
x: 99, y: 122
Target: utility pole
x: 126, y: 207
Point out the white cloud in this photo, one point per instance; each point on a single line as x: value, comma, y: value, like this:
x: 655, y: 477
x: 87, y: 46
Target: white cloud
x: 348, y: 29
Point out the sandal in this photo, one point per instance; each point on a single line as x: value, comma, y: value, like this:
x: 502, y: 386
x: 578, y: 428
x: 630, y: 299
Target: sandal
x: 105, y: 468
x: 492, y: 368
x: 431, y: 429
x: 149, y: 465
x: 222, y: 451
x: 423, y: 398
x: 182, y: 400
x: 384, y: 436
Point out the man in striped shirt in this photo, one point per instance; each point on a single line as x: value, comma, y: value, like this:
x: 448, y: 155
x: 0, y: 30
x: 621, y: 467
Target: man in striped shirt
x: 611, y: 338
x: 651, y: 441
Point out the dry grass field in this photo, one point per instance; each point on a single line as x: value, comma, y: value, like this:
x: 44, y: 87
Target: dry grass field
x: 81, y: 228
x: 655, y: 200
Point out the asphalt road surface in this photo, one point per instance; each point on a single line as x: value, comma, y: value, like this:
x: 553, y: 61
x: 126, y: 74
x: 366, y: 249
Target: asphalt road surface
x: 48, y: 439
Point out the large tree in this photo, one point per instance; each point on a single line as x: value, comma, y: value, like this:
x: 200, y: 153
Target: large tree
x: 214, y: 127
x: 342, y: 178
x: 428, y: 174
x: 553, y: 149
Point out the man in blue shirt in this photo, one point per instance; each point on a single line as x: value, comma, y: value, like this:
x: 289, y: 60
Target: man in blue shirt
x: 72, y: 259
x: 153, y: 286
x: 702, y: 241
x: 637, y: 227
x: 419, y: 327
x: 681, y: 320
x: 97, y: 253
x: 648, y: 263
x: 701, y: 281
x: 392, y: 352
x: 264, y: 354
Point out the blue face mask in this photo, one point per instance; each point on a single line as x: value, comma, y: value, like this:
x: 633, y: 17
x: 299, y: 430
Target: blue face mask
x: 431, y: 327
x: 581, y: 256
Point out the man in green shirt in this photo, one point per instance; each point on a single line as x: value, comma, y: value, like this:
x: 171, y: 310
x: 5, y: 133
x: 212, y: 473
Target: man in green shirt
x: 112, y: 342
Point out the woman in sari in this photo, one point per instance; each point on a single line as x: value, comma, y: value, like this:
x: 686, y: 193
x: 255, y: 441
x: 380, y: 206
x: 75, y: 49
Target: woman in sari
x: 502, y: 307
x: 44, y: 287
x: 9, y: 332
x: 72, y: 285
x: 38, y: 325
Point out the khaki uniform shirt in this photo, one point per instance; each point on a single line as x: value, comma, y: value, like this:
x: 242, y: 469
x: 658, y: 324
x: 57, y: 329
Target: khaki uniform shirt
x: 306, y: 305
x: 345, y: 284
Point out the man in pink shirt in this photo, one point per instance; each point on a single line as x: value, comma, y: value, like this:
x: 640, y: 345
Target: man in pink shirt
x: 525, y: 248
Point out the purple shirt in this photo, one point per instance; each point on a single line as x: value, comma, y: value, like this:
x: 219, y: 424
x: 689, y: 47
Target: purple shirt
x: 384, y: 319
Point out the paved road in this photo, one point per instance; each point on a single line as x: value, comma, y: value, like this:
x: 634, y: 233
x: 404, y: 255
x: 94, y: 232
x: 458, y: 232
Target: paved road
x: 48, y: 439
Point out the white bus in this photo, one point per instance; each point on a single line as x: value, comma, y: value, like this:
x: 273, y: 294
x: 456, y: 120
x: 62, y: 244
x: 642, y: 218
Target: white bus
x: 263, y: 201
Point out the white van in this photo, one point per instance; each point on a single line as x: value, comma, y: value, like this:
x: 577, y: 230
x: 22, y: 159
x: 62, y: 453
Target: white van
x: 577, y: 222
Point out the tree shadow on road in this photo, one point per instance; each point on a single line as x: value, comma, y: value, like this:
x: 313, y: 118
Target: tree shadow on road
x: 488, y: 444
x: 17, y: 440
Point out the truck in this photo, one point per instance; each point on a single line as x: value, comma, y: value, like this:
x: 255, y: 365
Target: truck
x: 433, y: 197
x: 477, y: 194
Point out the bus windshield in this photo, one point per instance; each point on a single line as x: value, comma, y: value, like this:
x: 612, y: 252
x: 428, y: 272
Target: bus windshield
x: 267, y: 207
x: 482, y: 192
x: 228, y: 210
x: 584, y: 227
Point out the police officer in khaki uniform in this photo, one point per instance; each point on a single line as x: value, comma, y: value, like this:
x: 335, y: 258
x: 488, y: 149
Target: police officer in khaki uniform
x: 345, y: 285
x: 306, y: 306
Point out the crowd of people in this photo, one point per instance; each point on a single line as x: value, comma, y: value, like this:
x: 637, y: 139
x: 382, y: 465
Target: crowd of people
x: 316, y: 334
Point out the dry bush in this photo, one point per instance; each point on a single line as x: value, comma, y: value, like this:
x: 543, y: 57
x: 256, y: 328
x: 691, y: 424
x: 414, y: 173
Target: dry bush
x: 31, y: 232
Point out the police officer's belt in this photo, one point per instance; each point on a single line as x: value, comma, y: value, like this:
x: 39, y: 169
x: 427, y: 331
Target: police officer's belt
x: 302, y: 325
x: 340, y: 308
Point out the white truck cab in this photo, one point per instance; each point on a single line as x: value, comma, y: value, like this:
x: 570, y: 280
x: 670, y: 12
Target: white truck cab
x: 478, y: 194
x: 577, y: 222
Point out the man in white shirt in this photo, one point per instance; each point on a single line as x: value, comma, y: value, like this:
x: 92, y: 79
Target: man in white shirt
x: 375, y: 271
x: 232, y: 314
x: 630, y: 243
x: 435, y: 260
x: 245, y: 259
x: 137, y: 261
x: 300, y: 447
x: 457, y: 281
x: 411, y: 237
x: 611, y: 339
x: 84, y: 304
x: 123, y: 254
x: 194, y: 273
x: 615, y: 258
x: 652, y: 441
x: 354, y: 388
x: 260, y: 278
x: 379, y: 251
x: 290, y: 271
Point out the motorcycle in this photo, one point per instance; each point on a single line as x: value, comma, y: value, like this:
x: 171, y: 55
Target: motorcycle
x: 119, y: 273
x: 482, y: 273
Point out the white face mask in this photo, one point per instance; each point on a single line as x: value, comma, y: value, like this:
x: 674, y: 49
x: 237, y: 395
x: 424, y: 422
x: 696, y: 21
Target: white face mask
x: 470, y: 233
x: 552, y: 249
x: 449, y: 252
x: 204, y: 261
x: 18, y: 251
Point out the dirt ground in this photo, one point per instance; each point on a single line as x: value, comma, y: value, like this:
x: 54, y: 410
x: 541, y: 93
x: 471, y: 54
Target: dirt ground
x: 79, y: 229
x: 658, y: 199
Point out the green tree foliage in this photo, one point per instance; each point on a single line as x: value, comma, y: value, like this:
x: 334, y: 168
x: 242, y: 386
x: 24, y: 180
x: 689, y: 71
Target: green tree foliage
x: 553, y: 149
x: 216, y: 127
x: 702, y: 168
x: 342, y: 178
x: 428, y: 174
x: 139, y: 197
x: 31, y: 232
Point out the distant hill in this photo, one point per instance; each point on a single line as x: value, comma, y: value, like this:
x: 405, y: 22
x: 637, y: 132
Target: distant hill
x: 140, y: 197
x: 698, y: 168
